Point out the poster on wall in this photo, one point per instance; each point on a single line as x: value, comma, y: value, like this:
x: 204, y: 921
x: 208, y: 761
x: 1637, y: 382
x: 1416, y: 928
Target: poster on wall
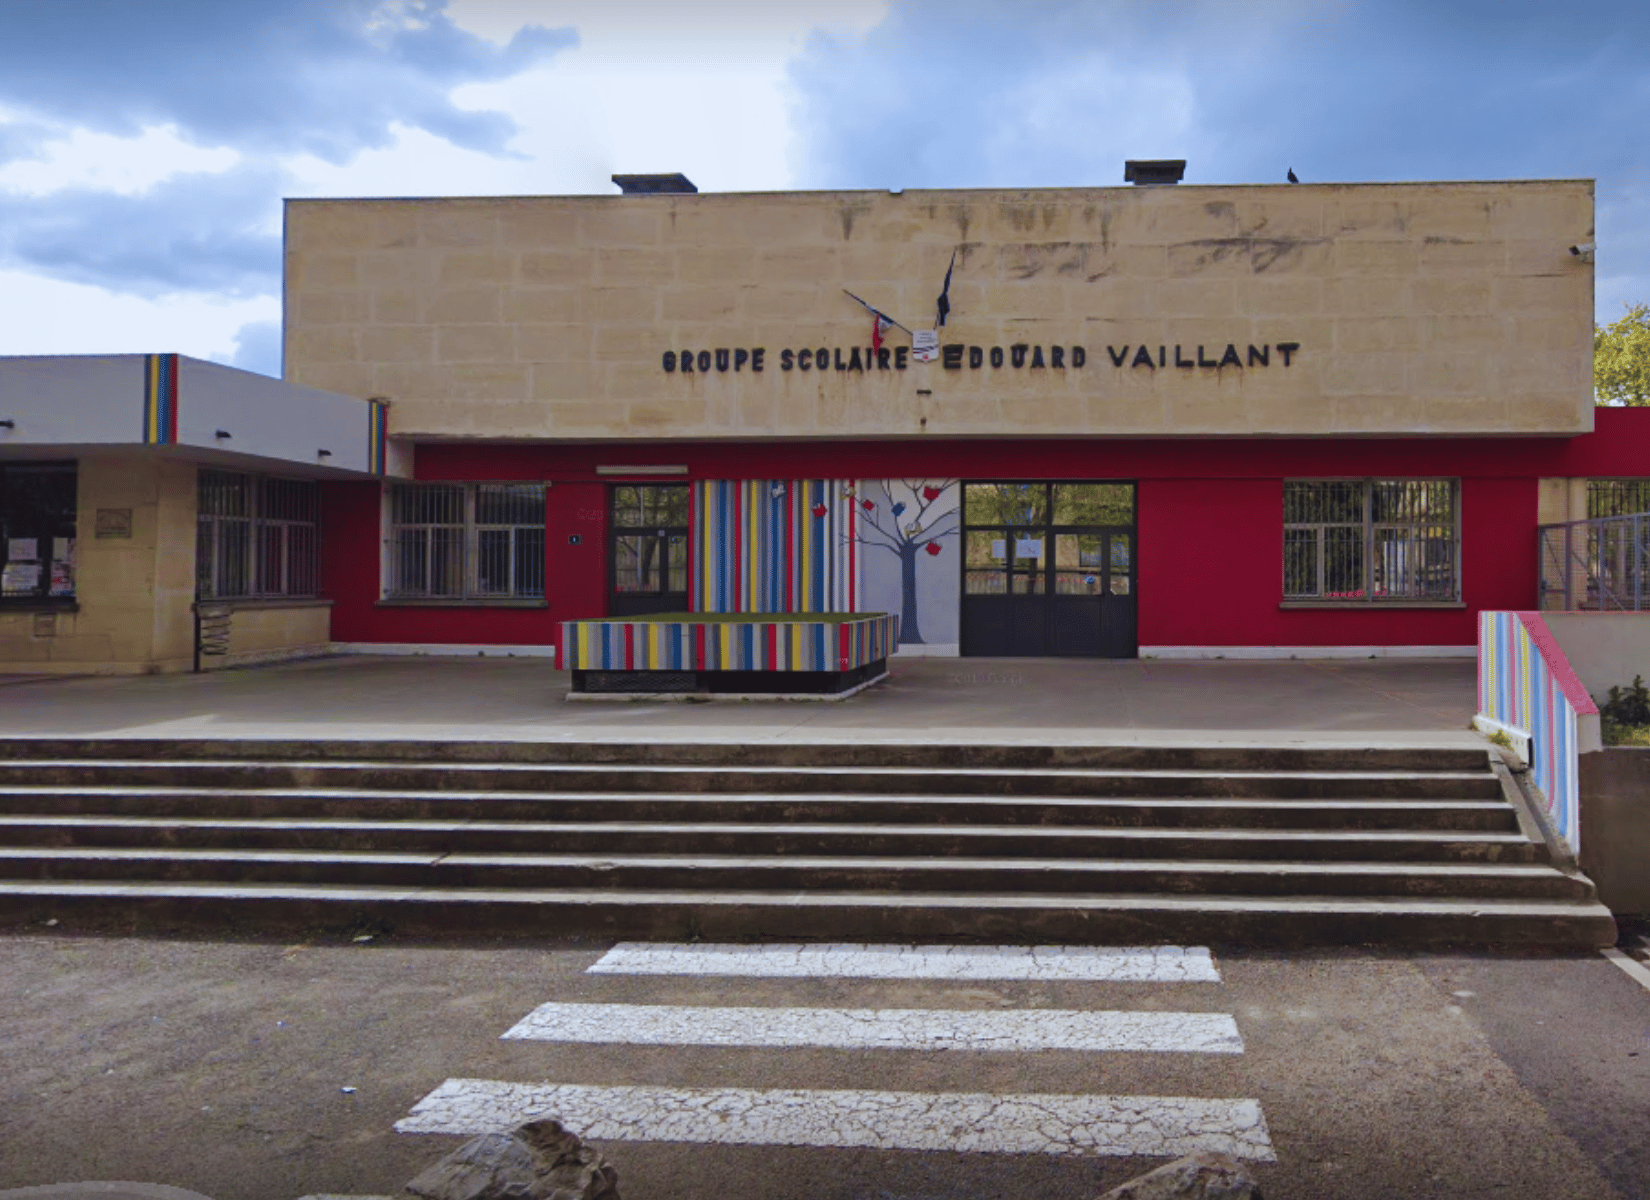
x: 908, y: 532
x: 22, y: 549
x: 20, y: 578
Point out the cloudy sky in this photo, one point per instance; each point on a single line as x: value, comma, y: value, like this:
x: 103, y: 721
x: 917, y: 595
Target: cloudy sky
x: 145, y: 147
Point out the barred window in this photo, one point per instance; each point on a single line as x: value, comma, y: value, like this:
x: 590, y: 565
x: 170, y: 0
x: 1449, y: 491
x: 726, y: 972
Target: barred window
x: 1371, y: 539
x: 256, y: 537
x: 1617, y: 497
x: 457, y: 541
x: 37, y: 531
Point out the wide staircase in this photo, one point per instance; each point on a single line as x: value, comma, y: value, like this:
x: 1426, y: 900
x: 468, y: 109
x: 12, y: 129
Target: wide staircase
x: 724, y: 842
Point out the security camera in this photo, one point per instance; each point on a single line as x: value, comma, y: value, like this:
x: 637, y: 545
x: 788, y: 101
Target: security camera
x: 1584, y: 250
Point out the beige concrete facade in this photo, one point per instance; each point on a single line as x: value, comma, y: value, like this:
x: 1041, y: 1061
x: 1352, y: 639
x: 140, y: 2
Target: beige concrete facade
x: 1451, y: 308
x: 273, y: 631
x: 134, y: 594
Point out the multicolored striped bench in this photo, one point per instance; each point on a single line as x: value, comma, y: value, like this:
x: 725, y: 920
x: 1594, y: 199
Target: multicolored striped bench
x: 759, y: 653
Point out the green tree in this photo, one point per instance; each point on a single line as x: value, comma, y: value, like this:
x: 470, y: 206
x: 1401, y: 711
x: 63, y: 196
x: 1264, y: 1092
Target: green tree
x: 1621, y: 359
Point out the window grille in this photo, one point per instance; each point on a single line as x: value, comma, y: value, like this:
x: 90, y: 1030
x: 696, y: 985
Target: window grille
x: 37, y: 531
x: 454, y: 541
x: 1371, y: 539
x: 256, y: 537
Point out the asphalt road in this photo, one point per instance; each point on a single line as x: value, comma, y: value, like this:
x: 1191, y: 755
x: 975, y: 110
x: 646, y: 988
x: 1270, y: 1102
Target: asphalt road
x: 221, y: 1067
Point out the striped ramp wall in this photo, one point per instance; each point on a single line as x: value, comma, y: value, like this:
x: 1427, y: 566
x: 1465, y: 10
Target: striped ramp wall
x: 773, y: 545
x: 1526, y: 684
x: 727, y: 646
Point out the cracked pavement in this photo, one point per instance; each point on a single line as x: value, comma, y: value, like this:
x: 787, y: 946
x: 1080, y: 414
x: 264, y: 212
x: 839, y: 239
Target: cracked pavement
x: 220, y: 1067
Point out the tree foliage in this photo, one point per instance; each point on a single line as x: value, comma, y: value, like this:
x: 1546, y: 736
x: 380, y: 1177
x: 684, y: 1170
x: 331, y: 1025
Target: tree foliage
x: 1621, y: 359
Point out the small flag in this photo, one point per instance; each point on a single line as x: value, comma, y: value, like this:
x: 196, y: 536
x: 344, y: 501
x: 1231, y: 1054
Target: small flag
x: 881, y: 322
x: 943, y: 305
x: 879, y: 326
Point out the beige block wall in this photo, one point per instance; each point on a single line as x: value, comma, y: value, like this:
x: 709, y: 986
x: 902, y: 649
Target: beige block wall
x: 273, y: 632
x: 1419, y: 308
x: 134, y: 594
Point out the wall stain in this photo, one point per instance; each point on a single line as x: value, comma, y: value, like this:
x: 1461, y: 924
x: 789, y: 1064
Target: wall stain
x: 1263, y: 253
x: 849, y: 213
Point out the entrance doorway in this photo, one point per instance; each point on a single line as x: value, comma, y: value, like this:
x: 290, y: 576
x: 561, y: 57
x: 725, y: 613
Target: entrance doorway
x: 1049, y: 570
x: 647, y: 549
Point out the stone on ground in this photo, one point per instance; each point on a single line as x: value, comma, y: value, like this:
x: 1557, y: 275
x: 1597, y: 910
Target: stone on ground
x: 537, y: 1161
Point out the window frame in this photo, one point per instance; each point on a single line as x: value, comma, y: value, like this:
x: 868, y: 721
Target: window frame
x: 41, y: 596
x: 1366, y: 597
x: 474, y: 559
x: 296, y: 562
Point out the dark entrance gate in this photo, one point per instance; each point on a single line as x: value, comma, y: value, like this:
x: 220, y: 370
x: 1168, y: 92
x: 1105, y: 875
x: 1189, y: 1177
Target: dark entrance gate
x: 1048, y: 570
x: 647, y: 549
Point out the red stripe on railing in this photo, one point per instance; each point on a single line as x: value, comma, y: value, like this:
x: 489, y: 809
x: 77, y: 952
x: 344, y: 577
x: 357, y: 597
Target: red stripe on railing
x: 1559, y: 665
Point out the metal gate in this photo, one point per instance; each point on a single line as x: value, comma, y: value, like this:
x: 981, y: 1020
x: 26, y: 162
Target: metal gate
x: 1049, y: 570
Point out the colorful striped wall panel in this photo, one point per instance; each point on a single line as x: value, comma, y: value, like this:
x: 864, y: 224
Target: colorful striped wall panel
x: 773, y: 545
x: 1526, y: 684
x: 727, y: 645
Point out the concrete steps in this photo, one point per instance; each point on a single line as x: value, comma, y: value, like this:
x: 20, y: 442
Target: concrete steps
x: 843, y: 842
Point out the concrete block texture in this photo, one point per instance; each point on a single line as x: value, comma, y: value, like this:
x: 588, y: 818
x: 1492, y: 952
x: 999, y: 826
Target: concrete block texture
x: 1615, y: 827
x: 1406, y: 308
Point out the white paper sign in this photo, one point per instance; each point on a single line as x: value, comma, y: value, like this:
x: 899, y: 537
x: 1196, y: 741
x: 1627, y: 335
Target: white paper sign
x: 22, y: 549
x: 62, y: 549
x: 999, y: 549
x: 925, y: 344
x: 1028, y: 547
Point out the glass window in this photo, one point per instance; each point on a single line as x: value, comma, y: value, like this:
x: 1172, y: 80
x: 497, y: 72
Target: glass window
x: 37, y: 530
x: 650, y: 506
x: 1371, y: 539
x: 480, y: 541
x: 256, y: 536
x: 1006, y: 503
x: 1094, y: 504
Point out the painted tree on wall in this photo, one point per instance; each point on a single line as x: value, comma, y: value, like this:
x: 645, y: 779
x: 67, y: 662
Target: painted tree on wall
x: 909, y: 523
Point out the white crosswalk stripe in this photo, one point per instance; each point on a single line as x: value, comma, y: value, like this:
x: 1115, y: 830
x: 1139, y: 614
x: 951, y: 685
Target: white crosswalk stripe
x: 881, y: 1029
x: 1007, y: 1123
x: 1041, y: 964
x: 955, y: 1121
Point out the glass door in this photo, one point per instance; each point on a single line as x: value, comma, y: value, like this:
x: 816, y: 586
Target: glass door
x: 647, y: 549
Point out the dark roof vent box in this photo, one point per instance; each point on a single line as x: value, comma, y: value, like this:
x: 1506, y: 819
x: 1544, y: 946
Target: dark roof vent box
x: 655, y: 185
x: 1150, y: 171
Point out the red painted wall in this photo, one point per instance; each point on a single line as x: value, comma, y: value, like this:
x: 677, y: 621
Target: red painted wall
x: 1210, y: 521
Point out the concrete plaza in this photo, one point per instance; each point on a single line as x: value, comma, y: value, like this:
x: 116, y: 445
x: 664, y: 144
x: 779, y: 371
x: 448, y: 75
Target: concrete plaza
x: 1053, y: 701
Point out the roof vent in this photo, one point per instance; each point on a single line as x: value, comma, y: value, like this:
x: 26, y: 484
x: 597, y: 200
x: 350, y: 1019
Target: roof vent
x: 655, y: 185
x: 1153, y: 170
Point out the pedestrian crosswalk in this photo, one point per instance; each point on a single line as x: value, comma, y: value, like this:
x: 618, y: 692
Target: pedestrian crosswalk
x: 1004, y: 1122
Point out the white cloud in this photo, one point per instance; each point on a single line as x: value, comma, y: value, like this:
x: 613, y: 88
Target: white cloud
x: 127, y: 165
x: 46, y: 316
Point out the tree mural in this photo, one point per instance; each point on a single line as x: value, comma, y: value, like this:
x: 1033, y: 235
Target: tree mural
x: 908, y: 526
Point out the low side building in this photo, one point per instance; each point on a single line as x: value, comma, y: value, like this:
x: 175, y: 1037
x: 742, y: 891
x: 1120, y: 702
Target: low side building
x: 139, y: 491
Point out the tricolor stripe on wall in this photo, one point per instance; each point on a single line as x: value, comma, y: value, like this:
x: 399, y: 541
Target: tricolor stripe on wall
x: 773, y: 545
x: 727, y: 646
x: 375, y: 437
x: 160, y: 399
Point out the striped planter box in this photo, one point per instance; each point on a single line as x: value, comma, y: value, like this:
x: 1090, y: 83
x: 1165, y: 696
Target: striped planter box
x: 754, y: 645
x: 1527, y: 688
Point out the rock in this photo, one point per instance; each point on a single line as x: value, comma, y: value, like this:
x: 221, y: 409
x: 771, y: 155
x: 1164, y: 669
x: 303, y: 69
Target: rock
x: 538, y: 1161
x: 1198, y: 1177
